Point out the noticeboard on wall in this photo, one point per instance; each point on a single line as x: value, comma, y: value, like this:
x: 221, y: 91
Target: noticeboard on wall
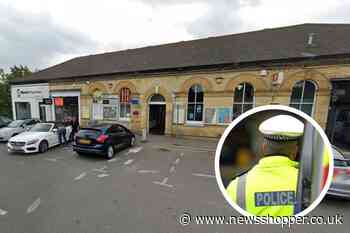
x: 179, y: 113
x: 97, y: 111
x: 223, y: 115
x: 210, y: 116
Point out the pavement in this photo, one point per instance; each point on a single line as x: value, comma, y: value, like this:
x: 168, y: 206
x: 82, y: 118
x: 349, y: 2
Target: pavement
x: 143, y: 189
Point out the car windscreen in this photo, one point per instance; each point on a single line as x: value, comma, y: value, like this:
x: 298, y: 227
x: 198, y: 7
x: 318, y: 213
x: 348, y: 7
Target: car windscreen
x: 41, y: 128
x: 15, y: 124
x: 89, y: 133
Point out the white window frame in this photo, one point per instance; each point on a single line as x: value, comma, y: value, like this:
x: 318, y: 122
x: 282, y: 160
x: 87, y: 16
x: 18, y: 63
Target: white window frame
x: 243, y: 102
x: 195, y: 103
x: 302, y: 102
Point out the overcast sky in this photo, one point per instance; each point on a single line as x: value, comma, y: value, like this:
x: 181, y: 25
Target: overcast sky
x: 40, y: 33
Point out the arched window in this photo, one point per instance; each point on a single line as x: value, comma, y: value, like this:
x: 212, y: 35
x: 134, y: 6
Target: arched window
x: 303, y: 96
x: 243, y: 99
x: 125, y: 98
x: 195, y: 103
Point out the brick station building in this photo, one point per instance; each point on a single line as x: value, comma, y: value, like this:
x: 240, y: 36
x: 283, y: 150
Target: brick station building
x: 196, y: 88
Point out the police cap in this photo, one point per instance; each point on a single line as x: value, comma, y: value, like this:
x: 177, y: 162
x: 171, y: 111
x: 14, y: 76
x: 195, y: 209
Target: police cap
x: 282, y: 128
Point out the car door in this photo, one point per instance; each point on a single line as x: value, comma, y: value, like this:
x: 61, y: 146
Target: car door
x: 52, y: 136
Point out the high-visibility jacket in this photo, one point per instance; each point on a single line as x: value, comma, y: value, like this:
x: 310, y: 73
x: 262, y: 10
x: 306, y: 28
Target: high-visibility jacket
x: 269, y: 188
x: 325, y: 165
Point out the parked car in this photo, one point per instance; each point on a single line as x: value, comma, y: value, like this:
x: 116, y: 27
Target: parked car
x: 38, y: 139
x: 15, y: 128
x: 103, y: 139
x: 4, y: 121
x: 340, y: 186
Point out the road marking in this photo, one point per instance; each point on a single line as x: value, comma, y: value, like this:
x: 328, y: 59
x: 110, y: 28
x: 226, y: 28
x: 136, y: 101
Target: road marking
x: 112, y: 160
x: 102, y: 169
x: 172, y: 169
x: 81, y: 176
x: 3, y: 212
x: 33, y: 206
x: 148, y: 171
x: 177, y: 161
x: 51, y: 159
x: 203, y: 175
x: 164, y: 183
x: 134, y: 150
x: 102, y: 175
x: 128, y: 162
x: 182, y: 154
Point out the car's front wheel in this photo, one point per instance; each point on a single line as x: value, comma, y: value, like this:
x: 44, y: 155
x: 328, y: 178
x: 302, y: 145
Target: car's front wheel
x: 132, y: 141
x: 43, y: 146
x: 110, y: 152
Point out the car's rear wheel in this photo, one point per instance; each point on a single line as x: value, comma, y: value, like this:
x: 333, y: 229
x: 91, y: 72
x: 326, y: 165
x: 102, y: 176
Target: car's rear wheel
x: 110, y: 152
x: 43, y: 146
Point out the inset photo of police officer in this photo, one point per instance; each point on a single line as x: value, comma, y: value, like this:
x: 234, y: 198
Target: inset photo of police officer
x: 274, y: 161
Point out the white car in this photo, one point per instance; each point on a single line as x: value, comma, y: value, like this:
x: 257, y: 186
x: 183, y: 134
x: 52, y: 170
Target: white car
x: 15, y: 128
x: 38, y: 139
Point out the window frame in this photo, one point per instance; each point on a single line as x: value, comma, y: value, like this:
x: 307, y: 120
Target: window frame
x: 124, y: 104
x: 242, y: 103
x: 301, y: 102
x: 195, y: 103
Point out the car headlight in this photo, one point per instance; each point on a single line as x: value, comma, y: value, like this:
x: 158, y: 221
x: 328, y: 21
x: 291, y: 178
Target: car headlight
x: 31, y: 142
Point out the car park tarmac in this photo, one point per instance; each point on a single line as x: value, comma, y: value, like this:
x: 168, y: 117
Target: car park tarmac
x: 143, y: 190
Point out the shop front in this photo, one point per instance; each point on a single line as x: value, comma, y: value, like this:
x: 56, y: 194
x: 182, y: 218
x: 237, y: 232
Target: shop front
x: 66, y: 105
x: 31, y: 101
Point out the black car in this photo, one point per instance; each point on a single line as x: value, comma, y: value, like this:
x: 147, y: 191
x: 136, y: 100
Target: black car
x: 103, y: 139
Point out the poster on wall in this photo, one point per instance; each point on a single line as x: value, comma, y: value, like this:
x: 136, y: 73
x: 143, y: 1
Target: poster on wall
x: 179, y: 114
x: 110, y: 112
x: 97, y: 111
x: 223, y: 115
x: 210, y: 116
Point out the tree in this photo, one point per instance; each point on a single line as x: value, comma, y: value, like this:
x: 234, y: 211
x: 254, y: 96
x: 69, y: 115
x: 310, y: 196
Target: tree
x: 5, y: 88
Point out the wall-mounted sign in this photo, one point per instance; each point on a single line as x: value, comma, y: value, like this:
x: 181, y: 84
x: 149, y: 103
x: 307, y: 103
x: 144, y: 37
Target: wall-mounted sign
x: 58, y: 101
x: 135, y: 101
x: 277, y: 78
x: 47, y: 101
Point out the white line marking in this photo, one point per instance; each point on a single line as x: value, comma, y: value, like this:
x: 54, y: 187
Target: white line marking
x: 102, y: 175
x: 164, y: 183
x: 129, y: 162
x: 172, y: 169
x: 177, y: 161
x: 134, y: 150
x: 112, y: 160
x: 3, y: 212
x: 33, y: 206
x: 51, y: 159
x: 81, y: 176
x: 203, y: 175
x: 148, y: 171
x: 102, y: 169
x: 182, y: 154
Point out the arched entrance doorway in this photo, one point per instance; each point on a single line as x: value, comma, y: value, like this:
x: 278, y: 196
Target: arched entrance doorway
x: 156, y: 115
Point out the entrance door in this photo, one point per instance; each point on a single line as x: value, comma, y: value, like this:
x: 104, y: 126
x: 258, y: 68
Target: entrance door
x: 157, y: 114
x: 69, y: 109
x: 338, y: 123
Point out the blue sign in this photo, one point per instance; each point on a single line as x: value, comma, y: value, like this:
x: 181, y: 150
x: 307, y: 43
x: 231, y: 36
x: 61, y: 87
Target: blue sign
x: 135, y: 101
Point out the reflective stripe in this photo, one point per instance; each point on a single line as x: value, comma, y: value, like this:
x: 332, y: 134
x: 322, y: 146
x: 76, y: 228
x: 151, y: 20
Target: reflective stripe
x: 241, y: 190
